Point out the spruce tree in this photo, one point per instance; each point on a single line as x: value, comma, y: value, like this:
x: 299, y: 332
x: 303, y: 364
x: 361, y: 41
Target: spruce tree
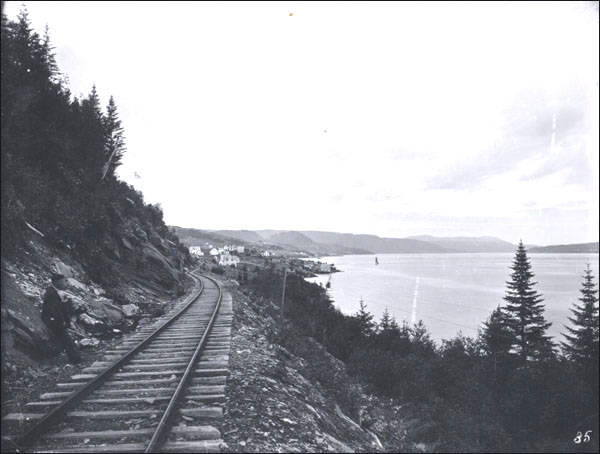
x: 114, y: 140
x: 496, y: 339
x: 525, y: 311
x: 582, y: 340
x: 496, y: 336
x: 49, y: 58
x: 365, y: 320
x: 386, y: 320
x: 394, y: 327
x: 91, y: 137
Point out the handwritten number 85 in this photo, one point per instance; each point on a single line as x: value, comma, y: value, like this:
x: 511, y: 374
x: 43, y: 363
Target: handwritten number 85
x: 586, y: 437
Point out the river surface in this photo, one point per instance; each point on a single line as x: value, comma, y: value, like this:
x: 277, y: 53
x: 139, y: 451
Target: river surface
x: 452, y: 292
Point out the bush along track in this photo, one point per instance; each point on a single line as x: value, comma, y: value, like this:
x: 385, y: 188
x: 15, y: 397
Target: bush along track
x: 285, y: 393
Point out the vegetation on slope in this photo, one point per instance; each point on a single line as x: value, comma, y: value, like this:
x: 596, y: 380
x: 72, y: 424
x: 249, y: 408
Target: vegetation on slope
x: 507, y: 390
x: 59, y: 156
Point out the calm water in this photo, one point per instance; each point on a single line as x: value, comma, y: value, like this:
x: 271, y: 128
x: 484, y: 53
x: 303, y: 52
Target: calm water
x: 452, y: 292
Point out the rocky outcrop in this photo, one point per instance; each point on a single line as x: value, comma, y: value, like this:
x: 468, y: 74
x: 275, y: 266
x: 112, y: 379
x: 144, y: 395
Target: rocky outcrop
x: 126, y: 275
x: 157, y: 268
x: 22, y: 325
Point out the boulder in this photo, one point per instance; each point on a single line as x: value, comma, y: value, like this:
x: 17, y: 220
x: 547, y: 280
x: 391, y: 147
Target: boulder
x: 130, y: 310
x: 62, y: 271
x: 89, y: 342
x: 103, y: 309
x: 72, y: 285
x: 90, y: 321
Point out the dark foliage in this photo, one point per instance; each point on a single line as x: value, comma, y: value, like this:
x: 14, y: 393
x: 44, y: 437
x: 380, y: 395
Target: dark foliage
x: 59, y: 157
x: 525, y: 312
x: 582, y: 341
x: 468, y: 395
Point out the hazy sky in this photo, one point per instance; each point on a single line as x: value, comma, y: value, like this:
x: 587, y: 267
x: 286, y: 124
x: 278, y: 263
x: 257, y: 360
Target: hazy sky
x: 388, y: 118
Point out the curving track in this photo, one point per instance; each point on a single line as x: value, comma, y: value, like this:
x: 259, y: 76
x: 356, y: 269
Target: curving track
x: 159, y: 391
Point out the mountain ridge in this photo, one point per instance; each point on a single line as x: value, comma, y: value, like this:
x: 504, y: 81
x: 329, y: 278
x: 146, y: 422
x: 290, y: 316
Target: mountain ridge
x: 322, y: 242
x: 575, y: 248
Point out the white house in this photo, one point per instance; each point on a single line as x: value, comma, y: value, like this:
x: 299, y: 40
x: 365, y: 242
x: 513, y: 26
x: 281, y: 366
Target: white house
x: 227, y: 260
x: 196, y: 251
x: 325, y: 268
x: 267, y: 254
x: 214, y: 252
x: 240, y: 249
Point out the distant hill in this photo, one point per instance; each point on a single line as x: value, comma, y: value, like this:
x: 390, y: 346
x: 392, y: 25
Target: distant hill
x: 265, y: 234
x: 197, y: 237
x: 248, y: 236
x: 324, y: 243
x: 372, y: 243
x: 295, y: 239
x: 298, y: 240
x: 468, y: 244
x: 581, y: 248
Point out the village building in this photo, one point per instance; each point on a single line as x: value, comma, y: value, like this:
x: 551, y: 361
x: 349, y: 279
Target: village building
x: 196, y: 251
x: 228, y: 260
x: 214, y: 252
x: 325, y: 268
x: 240, y: 249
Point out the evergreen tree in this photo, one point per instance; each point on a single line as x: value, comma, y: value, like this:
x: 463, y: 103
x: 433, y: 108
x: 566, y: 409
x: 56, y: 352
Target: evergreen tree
x: 24, y: 45
x: 386, y: 321
x: 114, y: 140
x: 582, y: 342
x: 91, y: 137
x: 49, y: 58
x: 94, y: 102
x: 525, y: 311
x: 394, y: 327
x: 365, y: 319
x: 496, y: 339
x: 421, y: 341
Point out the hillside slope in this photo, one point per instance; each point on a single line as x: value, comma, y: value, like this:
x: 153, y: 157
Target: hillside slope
x: 295, y: 239
x: 468, y: 244
x: 247, y: 236
x: 581, y: 248
x: 373, y: 243
x: 287, y: 394
x: 197, y: 237
x: 65, y: 213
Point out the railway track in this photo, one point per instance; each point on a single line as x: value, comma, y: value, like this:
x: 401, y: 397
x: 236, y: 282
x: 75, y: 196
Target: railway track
x: 159, y: 391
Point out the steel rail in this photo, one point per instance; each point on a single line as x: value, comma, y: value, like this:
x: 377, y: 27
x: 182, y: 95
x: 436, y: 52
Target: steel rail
x: 57, y: 413
x: 163, y: 424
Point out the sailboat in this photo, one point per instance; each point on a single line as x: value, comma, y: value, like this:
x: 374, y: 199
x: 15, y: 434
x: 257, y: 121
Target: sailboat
x: 376, y: 261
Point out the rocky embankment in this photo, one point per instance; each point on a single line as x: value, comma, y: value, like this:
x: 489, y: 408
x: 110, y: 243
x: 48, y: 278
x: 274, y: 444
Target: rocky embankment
x: 299, y: 398
x: 147, y: 278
